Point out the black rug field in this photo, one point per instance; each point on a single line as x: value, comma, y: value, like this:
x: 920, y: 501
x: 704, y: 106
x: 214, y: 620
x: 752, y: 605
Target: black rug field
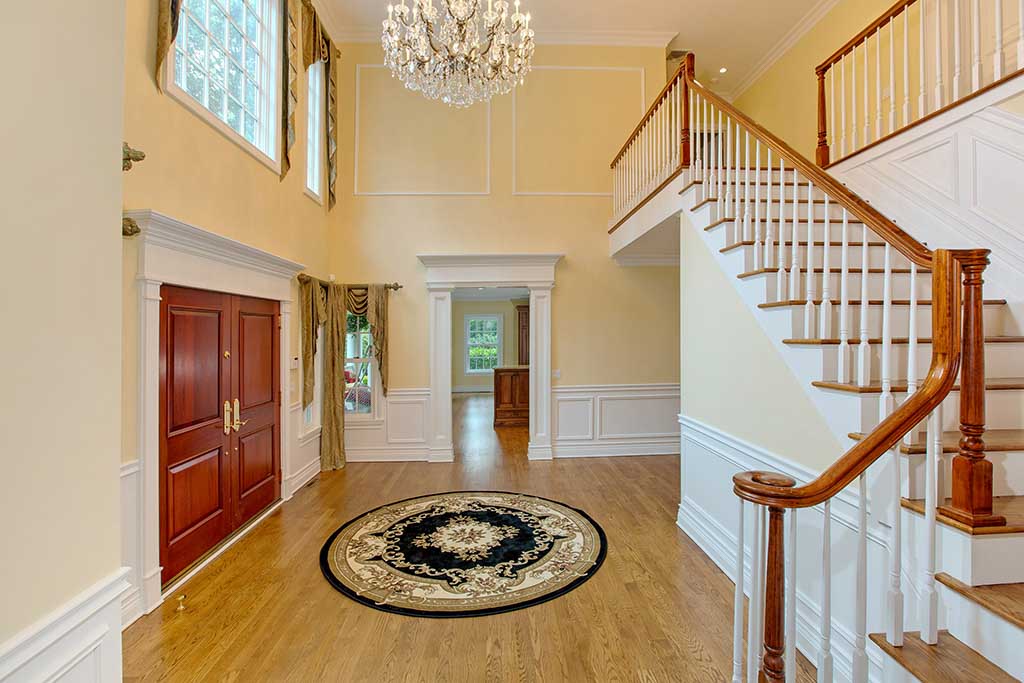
x: 463, y: 554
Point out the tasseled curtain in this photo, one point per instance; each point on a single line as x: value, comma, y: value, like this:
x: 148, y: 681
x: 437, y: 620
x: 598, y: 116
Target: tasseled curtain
x: 289, y: 83
x: 166, y: 32
x: 318, y: 47
x: 328, y: 304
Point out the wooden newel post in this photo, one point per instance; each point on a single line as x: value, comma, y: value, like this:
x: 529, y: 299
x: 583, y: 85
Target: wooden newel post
x: 773, y: 664
x: 822, y: 152
x: 972, y: 472
x: 684, y: 138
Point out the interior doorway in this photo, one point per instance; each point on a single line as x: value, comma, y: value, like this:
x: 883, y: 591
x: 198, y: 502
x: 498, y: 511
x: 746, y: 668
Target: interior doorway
x: 490, y: 329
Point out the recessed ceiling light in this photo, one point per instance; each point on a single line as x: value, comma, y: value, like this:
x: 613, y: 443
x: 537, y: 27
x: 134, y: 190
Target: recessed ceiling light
x: 723, y: 70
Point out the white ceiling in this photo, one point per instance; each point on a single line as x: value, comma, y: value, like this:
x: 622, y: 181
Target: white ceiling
x: 741, y: 35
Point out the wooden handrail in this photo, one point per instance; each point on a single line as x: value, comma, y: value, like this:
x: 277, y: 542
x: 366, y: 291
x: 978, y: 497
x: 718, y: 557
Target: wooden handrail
x: 882, y: 226
x: 851, y: 44
x: 650, y: 111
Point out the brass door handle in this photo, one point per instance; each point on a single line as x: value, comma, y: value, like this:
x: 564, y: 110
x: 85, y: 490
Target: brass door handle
x: 227, y: 417
x: 238, y: 424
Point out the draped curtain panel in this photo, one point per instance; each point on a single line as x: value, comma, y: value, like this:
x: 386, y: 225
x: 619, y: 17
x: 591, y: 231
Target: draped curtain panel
x: 166, y: 32
x: 332, y: 434
x: 318, y: 47
x: 289, y: 83
x: 313, y: 313
x: 377, y: 314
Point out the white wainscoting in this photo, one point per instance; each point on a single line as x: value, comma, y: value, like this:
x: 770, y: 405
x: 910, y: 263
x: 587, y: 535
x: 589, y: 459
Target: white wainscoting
x: 399, y: 435
x: 132, y: 604
x: 708, y: 514
x: 615, y: 419
x: 80, y: 642
x: 304, y: 455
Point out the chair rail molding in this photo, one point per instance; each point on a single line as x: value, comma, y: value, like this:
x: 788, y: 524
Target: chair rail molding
x: 447, y: 272
x: 173, y: 252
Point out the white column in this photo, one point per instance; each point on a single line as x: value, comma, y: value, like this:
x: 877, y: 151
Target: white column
x: 149, y: 441
x: 540, y: 373
x: 440, y: 320
x: 286, y: 398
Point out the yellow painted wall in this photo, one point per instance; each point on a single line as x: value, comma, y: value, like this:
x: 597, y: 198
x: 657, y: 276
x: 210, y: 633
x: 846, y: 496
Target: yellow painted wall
x: 195, y: 174
x: 732, y: 377
x: 59, y: 287
x: 1014, y: 105
x: 556, y: 135
x: 510, y: 339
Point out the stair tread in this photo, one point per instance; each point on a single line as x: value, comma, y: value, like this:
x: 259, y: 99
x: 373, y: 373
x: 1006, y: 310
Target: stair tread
x: 948, y: 661
x: 1010, y: 507
x: 802, y: 243
x: 875, y: 386
x: 1006, y: 600
x: 895, y: 340
x: 851, y: 271
x: 871, y: 302
x: 996, y: 441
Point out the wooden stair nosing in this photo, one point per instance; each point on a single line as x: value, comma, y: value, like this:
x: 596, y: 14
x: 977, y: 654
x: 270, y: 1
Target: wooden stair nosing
x: 832, y: 271
x: 899, y: 341
x: 875, y: 387
x: 950, y: 661
x: 871, y: 302
x: 1004, y: 600
x: 996, y: 441
x: 1010, y: 507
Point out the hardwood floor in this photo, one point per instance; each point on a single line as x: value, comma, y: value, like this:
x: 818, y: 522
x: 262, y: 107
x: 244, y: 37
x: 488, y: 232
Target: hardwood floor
x: 657, y: 610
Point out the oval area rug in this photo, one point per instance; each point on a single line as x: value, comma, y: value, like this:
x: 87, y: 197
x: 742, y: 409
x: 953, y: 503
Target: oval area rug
x: 463, y: 554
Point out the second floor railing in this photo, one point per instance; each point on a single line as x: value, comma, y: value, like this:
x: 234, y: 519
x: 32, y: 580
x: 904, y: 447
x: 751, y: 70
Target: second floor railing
x: 920, y: 58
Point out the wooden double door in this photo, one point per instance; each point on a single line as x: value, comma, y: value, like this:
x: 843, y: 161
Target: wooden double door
x: 220, y: 457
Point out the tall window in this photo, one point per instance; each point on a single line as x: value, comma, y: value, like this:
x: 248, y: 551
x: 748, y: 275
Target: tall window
x: 225, y: 60
x: 314, y: 127
x: 358, y: 366
x: 483, y: 343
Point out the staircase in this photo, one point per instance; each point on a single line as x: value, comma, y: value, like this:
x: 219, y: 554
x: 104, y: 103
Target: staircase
x: 906, y: 354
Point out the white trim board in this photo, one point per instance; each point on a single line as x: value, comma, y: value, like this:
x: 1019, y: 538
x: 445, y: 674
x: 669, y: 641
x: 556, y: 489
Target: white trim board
x: 623, y: 38
x: 487, y: 144
x: 515, y: 125
x: 173, y: 252
x: 78, y: 641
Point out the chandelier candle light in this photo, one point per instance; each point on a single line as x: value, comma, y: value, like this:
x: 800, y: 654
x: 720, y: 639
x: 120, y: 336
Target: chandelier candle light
x: 456, y: 52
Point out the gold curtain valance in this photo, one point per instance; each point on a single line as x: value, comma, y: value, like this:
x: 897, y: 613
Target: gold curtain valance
x: 168, y: 13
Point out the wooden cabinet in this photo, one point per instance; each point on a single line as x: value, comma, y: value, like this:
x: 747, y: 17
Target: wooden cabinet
x: 523, y: 332
x: 512, y: 397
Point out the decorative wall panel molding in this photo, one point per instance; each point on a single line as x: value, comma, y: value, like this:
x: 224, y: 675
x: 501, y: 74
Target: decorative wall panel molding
x: 616, y: 419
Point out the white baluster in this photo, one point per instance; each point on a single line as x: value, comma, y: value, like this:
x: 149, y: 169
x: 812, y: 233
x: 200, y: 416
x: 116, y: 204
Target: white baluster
x: 867, y: 94
x: 769, y: 247
x: 790, y: 639
x: 930, y: 598
x: 758, y: 234
x: 939, y: 85
x: 844, y: 302
x: 997, y: 68
x: 886, y: 401
x: 1020, y: 34
x: 957, y: 47
x: 892, y: 76
x: 906, y: 67
x: 780, y: 275
x: 864, y: 350
x: 747, y: 232
x: 975, y: 45
x: 826, y: 278
x: 737, y: 215
x: 723, y: 176
x: 894, y: 622
x: 878, y: 83
x: 737, y: 608
x: 811, y: 290
x: 715, y: 152
x: 833, y: 135
x: 912, y: 383
x: 756, y: 598
x: 842, y: 106
x: 693, y: 134
x: 794, y: 258
x: 853, y: 101
x: 860, y: 656
x: 922, y: 97
x: 730, y: 173
x: 825, y: 663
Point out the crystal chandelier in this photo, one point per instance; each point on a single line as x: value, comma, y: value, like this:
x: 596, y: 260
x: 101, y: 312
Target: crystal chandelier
x: 456, y: 52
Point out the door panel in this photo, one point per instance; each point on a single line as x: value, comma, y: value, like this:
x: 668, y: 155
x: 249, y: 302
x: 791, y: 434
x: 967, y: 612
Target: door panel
x: 195, y: 457
x: 255, y: 459
x: 256, y: 345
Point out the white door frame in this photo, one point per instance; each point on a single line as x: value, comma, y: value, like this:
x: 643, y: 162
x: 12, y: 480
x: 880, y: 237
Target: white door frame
x: 445, y: 273
x: 175, y: 253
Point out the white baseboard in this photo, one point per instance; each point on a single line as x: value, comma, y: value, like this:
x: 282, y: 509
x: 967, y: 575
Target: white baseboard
x: 132, y: 602
x: 624, y: 447
x: 299, y: 479
x: 473, y: 390
x: 80, y: 642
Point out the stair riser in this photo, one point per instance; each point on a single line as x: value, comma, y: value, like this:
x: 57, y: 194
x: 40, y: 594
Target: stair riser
x: 1007, y: 480
x: 996, y: 639
x: 1003, y: 410
x: 876, y: 286
x: 1001, y: 360
x: 994, y: 320
x: 876, y: 255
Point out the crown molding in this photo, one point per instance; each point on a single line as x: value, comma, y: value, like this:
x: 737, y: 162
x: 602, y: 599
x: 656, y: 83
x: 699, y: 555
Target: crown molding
x: 658, y: 39
x: 802, y: 27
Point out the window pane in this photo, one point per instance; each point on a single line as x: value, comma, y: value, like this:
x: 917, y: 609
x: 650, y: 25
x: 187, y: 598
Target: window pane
x: 250, y: 128
x: 252, y: 25
x: 255, y: 6
x: 252, y: 61
x: 179, y: 68
x: 251, y: 92
x: 198, y: 9
x: 358, y: 388
x: 235, y: 81
x: 195, y: 81
x: 234, y: 114
x: 218, y: 66
x: 217, y: 100
x: 195, y: 43
x: 237, y: 11
x: 235, y: 44
x: 365, y: 346
x: 218, y: 24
